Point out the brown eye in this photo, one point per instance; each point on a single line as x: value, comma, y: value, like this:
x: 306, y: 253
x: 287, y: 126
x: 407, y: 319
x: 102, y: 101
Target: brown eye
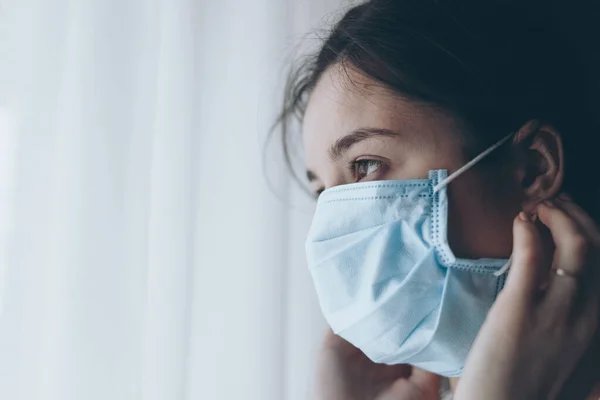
x: 363, y: 168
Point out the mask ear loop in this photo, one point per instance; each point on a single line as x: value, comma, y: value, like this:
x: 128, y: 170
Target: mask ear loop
x: 468, y: 165
x: 504, y: 268
x: 464, y: 168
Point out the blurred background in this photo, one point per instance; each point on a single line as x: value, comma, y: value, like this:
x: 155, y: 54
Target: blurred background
x: 151, y: 244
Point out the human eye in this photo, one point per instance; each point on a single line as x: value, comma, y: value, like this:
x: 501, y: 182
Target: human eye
x: 364, y: 168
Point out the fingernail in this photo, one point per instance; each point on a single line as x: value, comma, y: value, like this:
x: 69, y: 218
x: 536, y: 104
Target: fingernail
x: 523, y: 216
x: 533, y: 216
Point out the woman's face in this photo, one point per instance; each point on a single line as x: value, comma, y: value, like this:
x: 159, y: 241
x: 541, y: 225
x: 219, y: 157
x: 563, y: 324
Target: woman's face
x: 355, y: 131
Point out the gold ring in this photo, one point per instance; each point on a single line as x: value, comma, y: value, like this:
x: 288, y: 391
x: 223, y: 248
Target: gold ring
x: 562, y: 272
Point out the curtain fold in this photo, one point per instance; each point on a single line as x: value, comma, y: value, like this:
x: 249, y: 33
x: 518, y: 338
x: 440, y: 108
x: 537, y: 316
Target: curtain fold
x: 144, y: 256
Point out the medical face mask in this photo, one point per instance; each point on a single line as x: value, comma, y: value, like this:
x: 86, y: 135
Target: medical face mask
x: 386, y: 278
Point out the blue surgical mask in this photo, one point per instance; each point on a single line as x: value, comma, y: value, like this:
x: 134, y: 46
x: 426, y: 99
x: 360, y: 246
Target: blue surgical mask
x: 386, y: 278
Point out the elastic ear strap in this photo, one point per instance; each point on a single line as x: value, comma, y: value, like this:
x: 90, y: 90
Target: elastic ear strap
x: 468, y: 165
x: 504, y: 268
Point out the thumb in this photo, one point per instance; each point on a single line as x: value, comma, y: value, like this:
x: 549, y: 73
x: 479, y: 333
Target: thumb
x: 428, y: 382
x: 527, y: 263
x: 421, y: 385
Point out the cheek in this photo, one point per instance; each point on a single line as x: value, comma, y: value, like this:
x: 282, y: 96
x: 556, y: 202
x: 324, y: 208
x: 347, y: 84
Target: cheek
x: 481, y: 212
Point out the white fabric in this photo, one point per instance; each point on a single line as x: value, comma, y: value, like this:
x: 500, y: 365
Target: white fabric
x: 142, y: 254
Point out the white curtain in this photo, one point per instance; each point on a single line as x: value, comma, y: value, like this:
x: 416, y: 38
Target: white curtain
x: 142, y: 254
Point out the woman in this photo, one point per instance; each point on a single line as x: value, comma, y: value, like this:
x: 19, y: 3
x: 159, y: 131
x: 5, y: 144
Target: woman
x: 444, y: 136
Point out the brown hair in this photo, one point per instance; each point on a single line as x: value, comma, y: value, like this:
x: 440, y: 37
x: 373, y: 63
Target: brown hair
x: 494, y: 64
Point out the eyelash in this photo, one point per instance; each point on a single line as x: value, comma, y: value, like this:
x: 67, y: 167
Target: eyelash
x: 354, y: 165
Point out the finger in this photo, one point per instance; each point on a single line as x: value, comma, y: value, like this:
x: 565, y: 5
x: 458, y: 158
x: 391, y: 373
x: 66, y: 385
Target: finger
x: 420, y: 385
x: 582, y: 218
x: 425, y: 379
x: 527, y: 266
x: 591, y: 283
x: 572, y: 245
x: 387, y: 373
x: 591, y: 229
x: 569, y: 258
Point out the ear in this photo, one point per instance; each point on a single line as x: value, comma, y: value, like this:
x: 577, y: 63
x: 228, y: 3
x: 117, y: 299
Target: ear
x: 541, y: 162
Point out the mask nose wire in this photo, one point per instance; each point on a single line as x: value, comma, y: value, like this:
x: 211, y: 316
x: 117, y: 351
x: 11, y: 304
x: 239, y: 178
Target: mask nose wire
x: 468, y: 165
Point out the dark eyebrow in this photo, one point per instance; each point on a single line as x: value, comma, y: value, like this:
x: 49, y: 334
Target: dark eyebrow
x: 343, y: 144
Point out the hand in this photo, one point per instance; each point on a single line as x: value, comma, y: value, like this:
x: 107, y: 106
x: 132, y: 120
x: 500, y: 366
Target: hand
x: 345, y: 373
x: 546, y: 317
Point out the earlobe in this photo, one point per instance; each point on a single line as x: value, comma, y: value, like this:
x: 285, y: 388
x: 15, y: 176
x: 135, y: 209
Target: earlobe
x: 542, y: 162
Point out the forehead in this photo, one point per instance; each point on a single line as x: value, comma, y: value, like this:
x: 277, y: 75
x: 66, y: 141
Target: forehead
x: 344, y: 100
